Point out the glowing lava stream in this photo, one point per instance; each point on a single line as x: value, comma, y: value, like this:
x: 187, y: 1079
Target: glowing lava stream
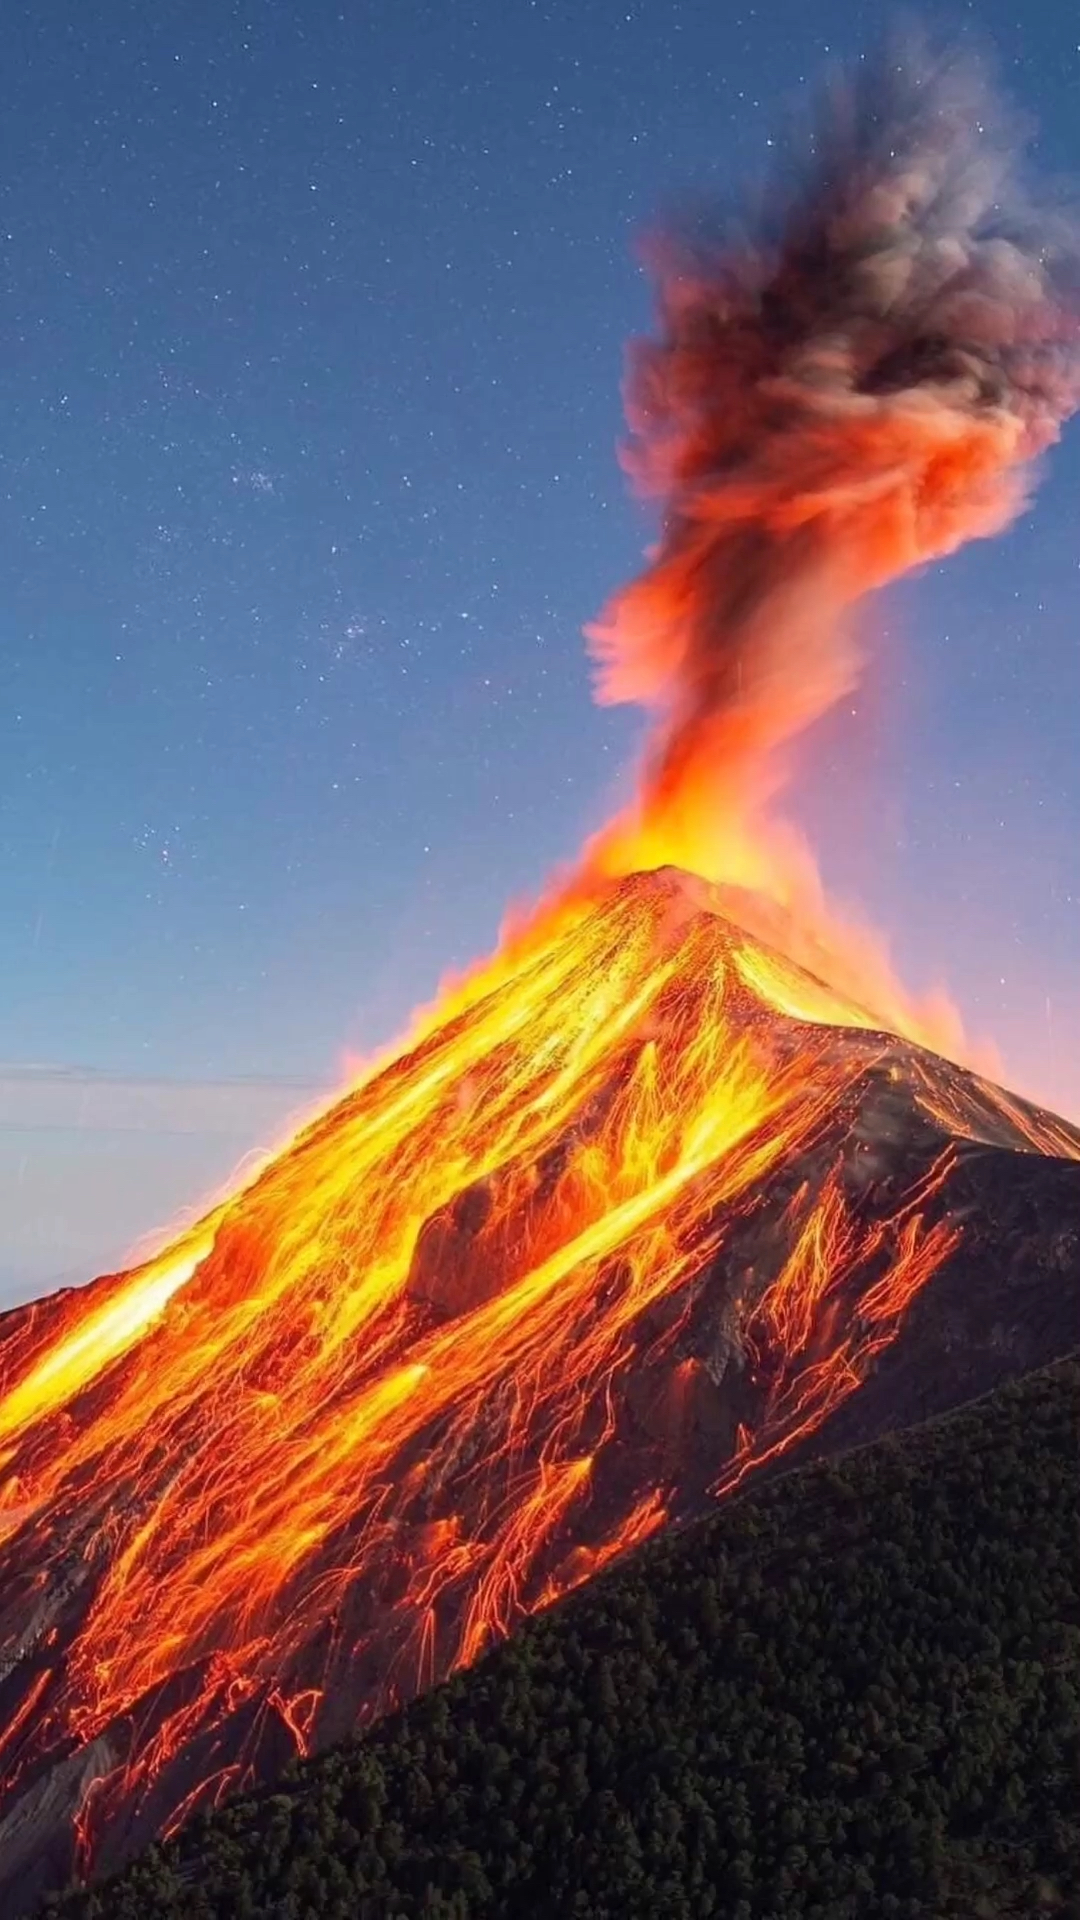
x: 304, y: 1441
x: 282, y: 1416
x: 643, y: 1199
x: 101, y: 1337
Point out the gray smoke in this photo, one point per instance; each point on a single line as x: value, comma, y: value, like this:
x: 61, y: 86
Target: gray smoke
x: 860, y: 387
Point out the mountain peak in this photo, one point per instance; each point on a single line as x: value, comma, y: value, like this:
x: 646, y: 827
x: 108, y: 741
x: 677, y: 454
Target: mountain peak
x: 657, y: 1213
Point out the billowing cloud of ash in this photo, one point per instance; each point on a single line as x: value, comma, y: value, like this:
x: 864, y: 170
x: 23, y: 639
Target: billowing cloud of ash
x: 861, y: 388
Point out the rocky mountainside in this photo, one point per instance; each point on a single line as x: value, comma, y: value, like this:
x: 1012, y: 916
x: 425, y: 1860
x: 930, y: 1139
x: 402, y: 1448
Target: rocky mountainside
x: 648, y: 1212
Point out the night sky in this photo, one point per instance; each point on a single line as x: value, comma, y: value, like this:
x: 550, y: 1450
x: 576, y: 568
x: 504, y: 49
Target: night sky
x: 313, y: 328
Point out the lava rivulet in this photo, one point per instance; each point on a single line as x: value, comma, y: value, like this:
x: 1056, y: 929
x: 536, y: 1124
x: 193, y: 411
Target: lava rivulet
x: 442, y: 1359
x: 649, y: 1196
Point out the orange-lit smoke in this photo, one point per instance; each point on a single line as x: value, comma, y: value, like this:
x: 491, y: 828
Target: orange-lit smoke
x: 861, y: 388
x: 631, y: 1218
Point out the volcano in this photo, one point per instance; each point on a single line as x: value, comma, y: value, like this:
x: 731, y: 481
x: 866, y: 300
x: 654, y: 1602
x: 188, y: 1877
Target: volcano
x: 665, y: 1196
x: 652, y: 1211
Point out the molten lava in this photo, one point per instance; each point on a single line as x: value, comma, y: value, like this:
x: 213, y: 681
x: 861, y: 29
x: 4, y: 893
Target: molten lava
x: 594, y: 1250
x: 650, y: 1195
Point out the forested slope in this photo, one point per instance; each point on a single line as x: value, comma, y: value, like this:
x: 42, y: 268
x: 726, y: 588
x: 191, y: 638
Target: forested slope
x: 853, y: 1692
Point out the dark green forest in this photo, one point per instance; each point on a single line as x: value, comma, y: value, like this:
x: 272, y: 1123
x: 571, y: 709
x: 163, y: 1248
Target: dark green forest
x: 854, y: 1692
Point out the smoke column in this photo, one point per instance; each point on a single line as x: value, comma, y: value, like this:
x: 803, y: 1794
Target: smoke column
x: 860, y: 389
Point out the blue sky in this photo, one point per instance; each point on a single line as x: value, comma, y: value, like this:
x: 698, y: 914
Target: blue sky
x: 314, y: 323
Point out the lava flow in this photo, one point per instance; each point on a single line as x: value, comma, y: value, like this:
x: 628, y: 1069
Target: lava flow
x: 648, y: 1202
x: 638, y: 1219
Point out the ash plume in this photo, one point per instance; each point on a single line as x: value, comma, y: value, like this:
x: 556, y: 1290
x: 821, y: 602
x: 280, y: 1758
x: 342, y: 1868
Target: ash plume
x: 860, y: 388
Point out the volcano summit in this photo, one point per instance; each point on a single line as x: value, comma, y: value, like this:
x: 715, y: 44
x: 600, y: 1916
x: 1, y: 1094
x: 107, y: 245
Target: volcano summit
x: 651, y: 1212
x: 658, y: 1199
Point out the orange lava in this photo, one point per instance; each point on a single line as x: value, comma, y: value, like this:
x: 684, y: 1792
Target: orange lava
x: 328, y: 1389
x: 606, y: 1236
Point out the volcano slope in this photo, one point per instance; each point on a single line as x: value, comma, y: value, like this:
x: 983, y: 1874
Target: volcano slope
x: 646, y: 1212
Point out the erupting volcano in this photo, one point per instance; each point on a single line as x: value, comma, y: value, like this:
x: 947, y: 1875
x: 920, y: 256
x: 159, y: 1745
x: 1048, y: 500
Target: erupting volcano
x: 669, y: 1192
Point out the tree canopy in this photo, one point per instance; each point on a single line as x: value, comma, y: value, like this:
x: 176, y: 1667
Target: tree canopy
x: 853, y: 1691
